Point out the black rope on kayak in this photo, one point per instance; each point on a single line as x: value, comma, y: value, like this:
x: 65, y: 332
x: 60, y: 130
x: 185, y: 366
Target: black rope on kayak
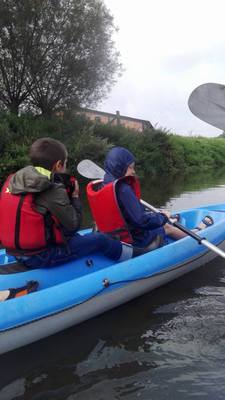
x: 222, y: 211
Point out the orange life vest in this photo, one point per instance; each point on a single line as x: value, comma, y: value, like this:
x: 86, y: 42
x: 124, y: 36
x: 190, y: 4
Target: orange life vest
x: 110, y: 221
x: 23, y: 230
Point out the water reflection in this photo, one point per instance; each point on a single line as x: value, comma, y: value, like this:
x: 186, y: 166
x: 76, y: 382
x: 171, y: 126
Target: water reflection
x: 166, y: 191
x: 165, y: 345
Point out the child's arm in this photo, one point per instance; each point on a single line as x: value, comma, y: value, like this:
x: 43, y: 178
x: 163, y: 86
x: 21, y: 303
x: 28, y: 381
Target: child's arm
x: 135, y: 213
x: 66, y: 210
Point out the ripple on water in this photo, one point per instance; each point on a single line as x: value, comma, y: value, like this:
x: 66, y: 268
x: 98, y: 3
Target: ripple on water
x: 167, y: 348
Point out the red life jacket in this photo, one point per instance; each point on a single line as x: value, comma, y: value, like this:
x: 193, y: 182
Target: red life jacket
x: 110, y: 221
x: 23, y: 230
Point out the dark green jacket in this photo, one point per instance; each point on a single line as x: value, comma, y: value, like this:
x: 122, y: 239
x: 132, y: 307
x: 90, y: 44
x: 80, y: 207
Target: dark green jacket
x: 49, y: 196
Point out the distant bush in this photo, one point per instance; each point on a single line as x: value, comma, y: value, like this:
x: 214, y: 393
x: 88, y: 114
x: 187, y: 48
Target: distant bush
x: 157, y: 152
x: 197, y: 153
x: 17, y: 134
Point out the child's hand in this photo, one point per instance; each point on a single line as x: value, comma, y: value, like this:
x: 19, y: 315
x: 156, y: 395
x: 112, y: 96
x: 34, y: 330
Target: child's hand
x: 76, y: 191
x: 166, y: 213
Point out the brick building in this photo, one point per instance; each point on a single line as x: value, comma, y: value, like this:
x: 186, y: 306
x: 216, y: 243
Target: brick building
x: 116, y: 119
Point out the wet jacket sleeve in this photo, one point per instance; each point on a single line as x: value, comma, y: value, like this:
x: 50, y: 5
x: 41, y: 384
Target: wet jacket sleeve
x: 135, y: 213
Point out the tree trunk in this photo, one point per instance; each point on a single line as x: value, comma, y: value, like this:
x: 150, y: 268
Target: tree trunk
x: 14, y: 107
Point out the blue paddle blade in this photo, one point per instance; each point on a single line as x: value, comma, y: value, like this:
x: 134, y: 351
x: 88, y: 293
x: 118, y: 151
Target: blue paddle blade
x: 207, y: 102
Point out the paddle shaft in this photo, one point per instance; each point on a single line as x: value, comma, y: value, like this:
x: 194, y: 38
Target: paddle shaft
x: 183, y: 228
x: 90, y: 170
x: 176, y: 224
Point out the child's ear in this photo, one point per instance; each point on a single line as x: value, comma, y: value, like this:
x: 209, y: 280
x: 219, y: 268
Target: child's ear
x: 57, y: 167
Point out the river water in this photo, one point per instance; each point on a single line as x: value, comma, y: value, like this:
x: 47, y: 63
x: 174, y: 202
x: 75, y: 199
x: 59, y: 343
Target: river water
x: 168, y: 344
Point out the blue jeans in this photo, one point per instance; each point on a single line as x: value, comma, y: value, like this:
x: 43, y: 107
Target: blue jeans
x: 78, y: 246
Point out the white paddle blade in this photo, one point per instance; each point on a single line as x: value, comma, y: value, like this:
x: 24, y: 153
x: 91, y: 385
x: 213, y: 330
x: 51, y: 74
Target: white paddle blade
x: 207, y: 102
x: 90, y: 170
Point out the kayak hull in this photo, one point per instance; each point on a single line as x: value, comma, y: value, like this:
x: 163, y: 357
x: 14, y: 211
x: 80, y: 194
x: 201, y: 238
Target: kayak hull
x: 76, y: 292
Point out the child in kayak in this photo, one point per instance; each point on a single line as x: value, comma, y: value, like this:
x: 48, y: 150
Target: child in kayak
x: 40, y: 220
x: 138, y: 226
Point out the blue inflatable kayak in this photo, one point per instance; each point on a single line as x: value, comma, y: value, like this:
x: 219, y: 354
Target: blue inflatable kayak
x: 74, y: 292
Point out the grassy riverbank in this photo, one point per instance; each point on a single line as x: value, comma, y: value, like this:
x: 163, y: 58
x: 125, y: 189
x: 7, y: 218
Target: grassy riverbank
x: 157, y: 152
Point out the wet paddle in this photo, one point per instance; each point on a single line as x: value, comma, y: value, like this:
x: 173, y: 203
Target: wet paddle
x: 207, y: 102
x: 90, y: 170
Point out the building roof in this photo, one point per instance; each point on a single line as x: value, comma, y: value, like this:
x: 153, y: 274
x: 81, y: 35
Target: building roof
x: 106, y: 114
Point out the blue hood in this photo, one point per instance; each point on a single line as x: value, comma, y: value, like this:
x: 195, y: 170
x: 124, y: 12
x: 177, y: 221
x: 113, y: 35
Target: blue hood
x: 116, y: 163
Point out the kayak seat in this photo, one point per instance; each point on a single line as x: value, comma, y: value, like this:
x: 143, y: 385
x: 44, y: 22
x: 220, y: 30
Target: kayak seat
x: 193, y: 218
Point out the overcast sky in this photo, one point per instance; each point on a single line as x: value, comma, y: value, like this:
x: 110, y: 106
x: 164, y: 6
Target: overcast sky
x: 168, y: 48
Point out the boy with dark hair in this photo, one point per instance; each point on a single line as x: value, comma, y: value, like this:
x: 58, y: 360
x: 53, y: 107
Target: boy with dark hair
x: 39, y: 220
x: 45, y: 152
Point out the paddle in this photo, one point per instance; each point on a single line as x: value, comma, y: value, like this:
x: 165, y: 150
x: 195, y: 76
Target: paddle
x: 207, y: 102
x: 90, y: 170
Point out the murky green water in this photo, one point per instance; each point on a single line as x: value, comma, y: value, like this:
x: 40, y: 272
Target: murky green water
x: 169, y: 344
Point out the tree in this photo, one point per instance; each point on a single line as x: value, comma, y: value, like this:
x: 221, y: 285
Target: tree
x: 55, y: 53
x: 15, y: 45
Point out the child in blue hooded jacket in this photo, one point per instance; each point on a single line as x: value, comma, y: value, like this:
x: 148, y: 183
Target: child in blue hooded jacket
x: 147, y: 228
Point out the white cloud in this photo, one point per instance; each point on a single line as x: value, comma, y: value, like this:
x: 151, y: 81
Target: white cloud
x: 167, y: 49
